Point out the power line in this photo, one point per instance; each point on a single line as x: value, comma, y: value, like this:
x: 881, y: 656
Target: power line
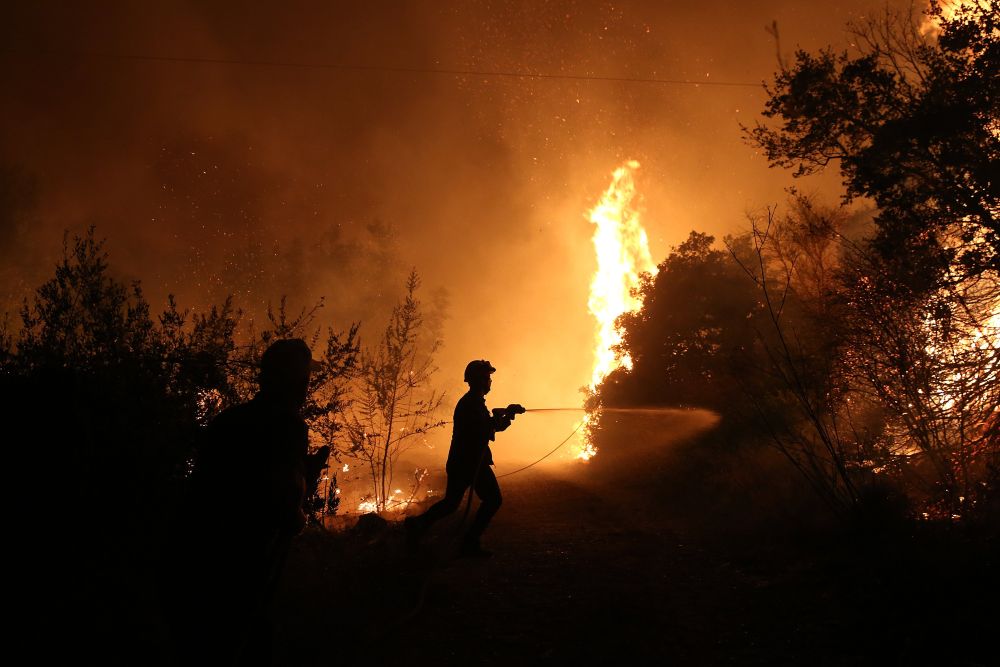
x: 378, y: 68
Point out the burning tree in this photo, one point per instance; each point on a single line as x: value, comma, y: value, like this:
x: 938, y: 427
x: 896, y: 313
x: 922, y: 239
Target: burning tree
x: 933, y: 361
x: 683, y: 340
x: 394, y: 404
x: 882, y: 388
x: 913, y: 124
x: 621, y: 246
x: 800, y: 392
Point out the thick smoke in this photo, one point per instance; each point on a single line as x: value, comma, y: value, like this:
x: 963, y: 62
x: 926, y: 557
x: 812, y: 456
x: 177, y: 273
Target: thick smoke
x: 258, y: 180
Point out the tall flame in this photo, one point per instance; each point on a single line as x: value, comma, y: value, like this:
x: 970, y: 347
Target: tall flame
x: 622, y: 249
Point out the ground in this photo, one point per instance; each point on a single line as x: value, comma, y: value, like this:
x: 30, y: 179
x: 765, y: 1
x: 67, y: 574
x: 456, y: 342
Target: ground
x: 599, y: 564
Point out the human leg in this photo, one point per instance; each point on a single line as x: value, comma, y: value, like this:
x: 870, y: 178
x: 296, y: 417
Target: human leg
x: 453, y: 495
x: 490, y: 499
x: 416, y: 526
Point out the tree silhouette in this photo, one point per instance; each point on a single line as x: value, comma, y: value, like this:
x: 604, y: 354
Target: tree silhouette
x: 687, y: 336
x: 127, y: 393
x: 394, y: 404
x: 912, y: 123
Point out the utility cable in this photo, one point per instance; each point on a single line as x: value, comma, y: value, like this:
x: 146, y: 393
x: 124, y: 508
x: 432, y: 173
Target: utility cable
x: 288, y: 64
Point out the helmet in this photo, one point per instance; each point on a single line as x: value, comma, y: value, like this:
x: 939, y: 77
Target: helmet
x: 476, y: 368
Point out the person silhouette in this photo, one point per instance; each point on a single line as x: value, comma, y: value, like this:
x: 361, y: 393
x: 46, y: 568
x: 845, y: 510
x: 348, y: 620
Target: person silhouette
x: 469, y: 461
x: 248, y: 486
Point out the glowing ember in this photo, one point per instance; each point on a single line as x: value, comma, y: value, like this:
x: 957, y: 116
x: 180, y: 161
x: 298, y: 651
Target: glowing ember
x: 208, y: 403
x: 622, y: 249
x: 396, y: 502
x: 973, y: 354
x: 367, y: 506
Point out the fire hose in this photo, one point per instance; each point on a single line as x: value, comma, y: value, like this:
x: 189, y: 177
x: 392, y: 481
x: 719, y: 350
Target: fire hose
x: 557, y: 447
x: 537, y: 461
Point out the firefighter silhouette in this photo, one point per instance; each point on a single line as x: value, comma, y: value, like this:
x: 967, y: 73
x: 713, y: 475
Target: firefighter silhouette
x: 470, y: 460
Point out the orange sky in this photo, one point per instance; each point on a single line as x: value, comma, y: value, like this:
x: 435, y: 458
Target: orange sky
x: 486, y: 180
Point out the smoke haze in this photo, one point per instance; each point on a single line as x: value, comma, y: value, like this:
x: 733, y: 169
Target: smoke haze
x: 258, y: 180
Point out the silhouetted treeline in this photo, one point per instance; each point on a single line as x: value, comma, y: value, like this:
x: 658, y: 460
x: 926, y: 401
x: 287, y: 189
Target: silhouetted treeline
x: 866, y: 352
x: 132, y: 387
